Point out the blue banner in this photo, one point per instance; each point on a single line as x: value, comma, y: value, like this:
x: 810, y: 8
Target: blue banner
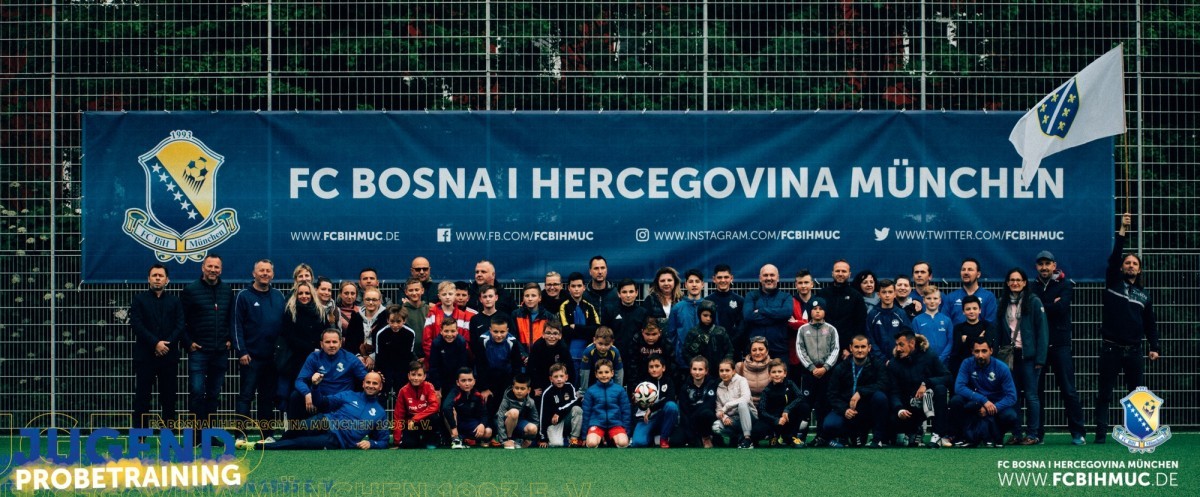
x: 534, y: 192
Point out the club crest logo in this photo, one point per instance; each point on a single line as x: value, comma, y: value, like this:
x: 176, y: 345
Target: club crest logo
x: 1057, y: 111
x: 181, y: 220
x: 1142, y: 431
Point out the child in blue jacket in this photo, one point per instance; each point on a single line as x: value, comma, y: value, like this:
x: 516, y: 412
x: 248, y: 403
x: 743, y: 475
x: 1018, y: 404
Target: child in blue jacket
x: 606, y: 409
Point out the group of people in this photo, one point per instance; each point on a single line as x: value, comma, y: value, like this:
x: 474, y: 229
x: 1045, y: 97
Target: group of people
x: 862, y: 361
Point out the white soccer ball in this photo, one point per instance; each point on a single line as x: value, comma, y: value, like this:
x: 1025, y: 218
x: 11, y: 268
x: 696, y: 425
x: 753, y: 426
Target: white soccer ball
x: 645, y: 394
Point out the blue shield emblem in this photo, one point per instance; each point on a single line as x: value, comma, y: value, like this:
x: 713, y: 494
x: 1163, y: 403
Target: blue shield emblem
x: 1058, y: 110
x: 1142, y: 431
x: 180, y: 192
x: 181, y: 220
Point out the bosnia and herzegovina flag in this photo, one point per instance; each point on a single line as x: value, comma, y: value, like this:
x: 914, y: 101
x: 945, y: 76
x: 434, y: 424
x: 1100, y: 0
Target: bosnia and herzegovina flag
x: 1087, y: 107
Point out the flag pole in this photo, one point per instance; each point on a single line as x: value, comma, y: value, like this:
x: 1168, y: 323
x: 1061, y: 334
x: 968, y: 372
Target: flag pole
x: 1125, y: 149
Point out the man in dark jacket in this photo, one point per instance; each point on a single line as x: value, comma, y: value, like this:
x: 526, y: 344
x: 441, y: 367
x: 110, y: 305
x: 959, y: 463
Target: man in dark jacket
x: 1054, y: 289
x: 207, y: 304
x: 157, y: 321
x: 847, y: 311
x: 767, y: 311
x: 600, y: 291
x: 918, y: 389
x: 485, y: 274
x: 1127, y: 317
x: 857, y: 399
x: 624, y: 315
x: 729, y: 307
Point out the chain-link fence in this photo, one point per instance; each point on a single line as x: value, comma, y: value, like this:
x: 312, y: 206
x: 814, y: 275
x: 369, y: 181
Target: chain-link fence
x: 64, y: 346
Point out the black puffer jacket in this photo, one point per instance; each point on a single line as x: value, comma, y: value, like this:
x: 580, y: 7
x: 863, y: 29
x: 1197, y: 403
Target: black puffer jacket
x: 206, y: 310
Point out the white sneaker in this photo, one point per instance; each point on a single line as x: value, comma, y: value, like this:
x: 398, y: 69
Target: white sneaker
x: 457, y: 444
x: 268, y: 440
x: 940, y: 441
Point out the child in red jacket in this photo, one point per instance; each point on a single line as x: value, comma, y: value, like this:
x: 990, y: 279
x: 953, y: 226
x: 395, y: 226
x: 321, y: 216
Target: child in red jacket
x: 418, y: 421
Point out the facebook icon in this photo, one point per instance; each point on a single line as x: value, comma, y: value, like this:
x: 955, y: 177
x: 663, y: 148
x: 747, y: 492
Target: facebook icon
x: 443, y: 235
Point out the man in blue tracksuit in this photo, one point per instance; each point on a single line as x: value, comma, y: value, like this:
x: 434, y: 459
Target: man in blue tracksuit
x: 354, y: 420
x: 340, y: 370
x: 257, y: 318
x: 1127, y: 317
x: 767, y: 311
x: 985, y: 397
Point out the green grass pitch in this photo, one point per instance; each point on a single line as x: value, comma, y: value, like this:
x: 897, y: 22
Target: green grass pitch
x: 715, y: 472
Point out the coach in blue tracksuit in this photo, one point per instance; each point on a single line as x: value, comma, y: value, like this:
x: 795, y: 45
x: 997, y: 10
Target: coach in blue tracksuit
x: 340, y: 370
x: 354, y: 420
x: 984, y: 399
x: 257, y: 319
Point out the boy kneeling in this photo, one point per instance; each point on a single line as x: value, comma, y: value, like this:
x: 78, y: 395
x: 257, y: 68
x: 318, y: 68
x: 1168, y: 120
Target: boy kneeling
x: 517, y: 416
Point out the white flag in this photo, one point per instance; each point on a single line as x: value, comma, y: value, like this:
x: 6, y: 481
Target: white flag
x: 1089, y: 106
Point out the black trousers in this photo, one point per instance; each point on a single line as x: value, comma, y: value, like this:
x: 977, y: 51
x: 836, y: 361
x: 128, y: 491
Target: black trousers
x: 162, y: 371
x: 1113, y: 360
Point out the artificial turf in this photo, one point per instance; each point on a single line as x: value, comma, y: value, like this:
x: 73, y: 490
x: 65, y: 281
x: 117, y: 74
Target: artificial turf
x: 713, y: 472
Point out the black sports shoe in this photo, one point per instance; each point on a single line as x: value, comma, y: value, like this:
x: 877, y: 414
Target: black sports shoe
x: 914, y: 440
x: 745, y: 444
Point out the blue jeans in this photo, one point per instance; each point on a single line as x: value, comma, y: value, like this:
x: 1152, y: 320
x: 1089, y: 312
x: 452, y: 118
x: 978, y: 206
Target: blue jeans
x: 1059, y: 358
x: 1026, y: 374
x: 206, y: 374
x: 872, y: 415
x: 661, y: 422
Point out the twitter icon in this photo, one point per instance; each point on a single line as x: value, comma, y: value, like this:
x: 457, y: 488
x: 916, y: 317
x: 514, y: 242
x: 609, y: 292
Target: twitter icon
x: 881, y: 234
